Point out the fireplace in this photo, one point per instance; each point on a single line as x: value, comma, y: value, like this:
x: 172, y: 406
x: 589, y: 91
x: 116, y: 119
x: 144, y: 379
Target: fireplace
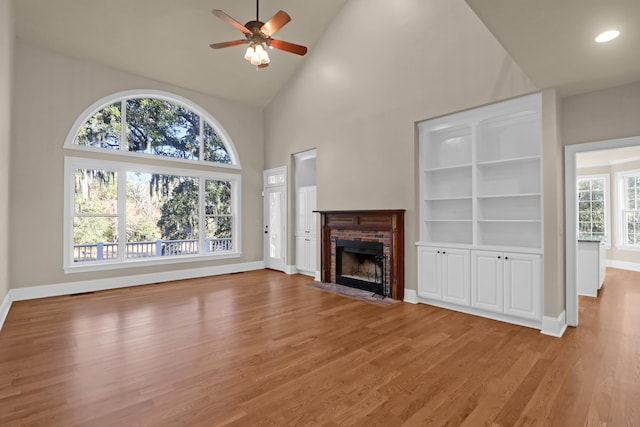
x: 368, y: 229
x: 361, y: 265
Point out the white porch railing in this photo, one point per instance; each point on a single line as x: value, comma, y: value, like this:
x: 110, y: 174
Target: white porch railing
x: 155, y: 248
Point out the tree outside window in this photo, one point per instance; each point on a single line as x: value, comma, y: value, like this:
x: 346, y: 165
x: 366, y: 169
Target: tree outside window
x: 631, y: 210
x: 141, y: 210
x: 592, y: 212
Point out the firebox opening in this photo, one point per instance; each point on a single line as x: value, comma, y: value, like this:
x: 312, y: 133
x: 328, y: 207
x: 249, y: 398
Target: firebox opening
x: 360, y: 265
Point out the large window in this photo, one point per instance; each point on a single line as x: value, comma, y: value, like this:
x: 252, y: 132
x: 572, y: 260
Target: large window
x: 630, y: 202
x: 593, y: 211
x: 143, y: 210
x: 152, y: 124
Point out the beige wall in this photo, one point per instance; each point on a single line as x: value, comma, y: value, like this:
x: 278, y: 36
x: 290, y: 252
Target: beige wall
x: 615, y: 253
x: 6, y: 66
x: 357, y: 99
x: 51, y: 91
x: 553, y: 203
x: 601, y: 115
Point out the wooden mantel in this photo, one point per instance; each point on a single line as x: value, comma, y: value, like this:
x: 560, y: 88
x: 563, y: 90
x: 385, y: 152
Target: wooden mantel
x: 389, y: 222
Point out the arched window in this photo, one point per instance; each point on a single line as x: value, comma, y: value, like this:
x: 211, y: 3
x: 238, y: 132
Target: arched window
x: 157, y: 204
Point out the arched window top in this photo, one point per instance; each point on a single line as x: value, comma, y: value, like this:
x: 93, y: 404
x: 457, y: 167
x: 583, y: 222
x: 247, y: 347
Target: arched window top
x: 153, y: 123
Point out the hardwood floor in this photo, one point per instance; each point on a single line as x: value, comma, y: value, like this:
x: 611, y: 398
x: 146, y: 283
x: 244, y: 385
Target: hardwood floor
x: 262, y: 348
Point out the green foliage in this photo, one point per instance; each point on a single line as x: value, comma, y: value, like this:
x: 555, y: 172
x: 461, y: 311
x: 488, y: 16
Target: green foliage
x: 217, y: 206
x: 163, y: 128
x: 179, y: 214
x: 96, y: 196
x: 102, y: 129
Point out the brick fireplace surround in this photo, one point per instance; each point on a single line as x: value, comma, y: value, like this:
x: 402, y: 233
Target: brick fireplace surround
x: 385, y: 226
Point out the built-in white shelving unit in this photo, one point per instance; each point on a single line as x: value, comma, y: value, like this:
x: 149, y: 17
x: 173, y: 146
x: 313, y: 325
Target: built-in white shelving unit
x: 481, y: 190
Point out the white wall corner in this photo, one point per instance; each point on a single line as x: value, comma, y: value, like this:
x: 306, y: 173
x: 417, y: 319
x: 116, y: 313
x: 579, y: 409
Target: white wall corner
x: 410, y: 296
x: 4, y: 308
x: 318, y: 276
x: 554, y: 326
x: 623, y: 265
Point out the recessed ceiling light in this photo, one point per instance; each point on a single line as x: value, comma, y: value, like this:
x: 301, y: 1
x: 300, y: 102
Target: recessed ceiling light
x: 607, y: 36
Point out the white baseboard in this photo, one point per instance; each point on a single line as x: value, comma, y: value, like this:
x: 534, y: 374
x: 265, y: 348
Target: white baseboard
x: 43, y: 291
x: 290, y: 269
x: 623, y: 265
x: 554, y: 326
x: 4, y: 308
x: 318, y: 276
x: 529, y: 323
x: 410, y: 296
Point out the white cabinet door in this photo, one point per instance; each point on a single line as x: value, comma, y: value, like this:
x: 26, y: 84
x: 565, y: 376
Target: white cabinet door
x: 429, y: 275
x: 312, y: 254
x: 487, y: 280
x: 522, y: 286
x: 456, y: 276
x: 311, y: 206
x: 301, y: 254
x: 305, y: 205
x: 301, y: 210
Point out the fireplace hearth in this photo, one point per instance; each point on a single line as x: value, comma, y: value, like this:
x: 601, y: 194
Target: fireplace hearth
x: 361, y: 265
x: 365, y: 267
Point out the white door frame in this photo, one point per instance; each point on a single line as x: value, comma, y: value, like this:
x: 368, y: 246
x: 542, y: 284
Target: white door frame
x: 571, y: 209
x: 275, y: 178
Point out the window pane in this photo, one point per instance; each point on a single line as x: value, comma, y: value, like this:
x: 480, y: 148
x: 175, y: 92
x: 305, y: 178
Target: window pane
x: 584, y: 206
x: 597, y: 185
x: 96, y: 192
x: 214, y: 149
x: 218, y: 210
x: 218, y: 197
x: 144, y: 201
x: 95, y: 238
x: 597, y: 195
x: 584, y: 185
x: 102, y: 129
x: 178, y: 206
x: 155, y: 126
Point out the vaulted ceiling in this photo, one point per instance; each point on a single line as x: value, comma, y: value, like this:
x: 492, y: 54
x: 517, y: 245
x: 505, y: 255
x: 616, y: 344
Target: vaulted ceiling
x: 168, y: 40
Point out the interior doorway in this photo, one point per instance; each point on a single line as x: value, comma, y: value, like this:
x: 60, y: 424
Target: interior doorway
x: 275, y: 218
x: 571, y: 214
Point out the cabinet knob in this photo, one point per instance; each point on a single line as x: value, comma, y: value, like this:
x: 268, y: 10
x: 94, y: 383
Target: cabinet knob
x: 443, y: 252
x: 506, y: 257
x: 499, y: 257
x: 438, y: 251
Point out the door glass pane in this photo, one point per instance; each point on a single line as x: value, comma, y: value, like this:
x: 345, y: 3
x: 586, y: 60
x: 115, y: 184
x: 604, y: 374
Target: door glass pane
x: 275, y: 237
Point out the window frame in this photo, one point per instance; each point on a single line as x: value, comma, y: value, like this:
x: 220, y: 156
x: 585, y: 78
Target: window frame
x: 71, y: 164
x: 622, y: 209
x: 165, y: 96
x: 607, y: 204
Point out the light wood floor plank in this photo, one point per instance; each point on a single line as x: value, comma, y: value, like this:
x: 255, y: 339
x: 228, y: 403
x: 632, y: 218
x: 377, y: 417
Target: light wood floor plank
x: 262, y: 348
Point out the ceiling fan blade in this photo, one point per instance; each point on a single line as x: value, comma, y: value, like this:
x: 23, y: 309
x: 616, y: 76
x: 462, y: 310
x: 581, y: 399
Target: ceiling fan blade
x: 274, y: 23
x: 288, y: 47
x: 229, y: 20
x: 228, y: 44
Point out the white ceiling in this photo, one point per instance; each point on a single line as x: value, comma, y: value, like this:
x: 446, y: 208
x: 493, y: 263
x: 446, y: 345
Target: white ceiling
x: 168, y: 40
x: 553, y: 40
x: 607, y: 157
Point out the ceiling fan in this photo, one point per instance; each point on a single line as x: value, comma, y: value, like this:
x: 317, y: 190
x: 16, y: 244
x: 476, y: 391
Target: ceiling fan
x: 258, y: 36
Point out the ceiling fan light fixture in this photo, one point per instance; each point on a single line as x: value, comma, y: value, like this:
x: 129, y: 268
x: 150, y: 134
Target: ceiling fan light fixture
x: 607, y: 36
x: 258, y: 35
x: 249, y: 54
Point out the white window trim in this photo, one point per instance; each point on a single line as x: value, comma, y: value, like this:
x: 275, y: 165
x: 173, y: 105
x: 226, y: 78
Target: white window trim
x: 621, y: 232
x: 73, y: 163
x: 166, y: 96
x: 607, y: 204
